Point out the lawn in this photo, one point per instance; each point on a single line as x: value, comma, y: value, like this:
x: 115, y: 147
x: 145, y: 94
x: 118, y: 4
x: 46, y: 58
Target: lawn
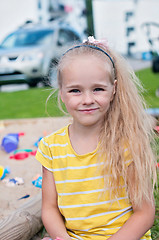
x: 28, y: 104
x: 150, y: 83
x: 155, y: 228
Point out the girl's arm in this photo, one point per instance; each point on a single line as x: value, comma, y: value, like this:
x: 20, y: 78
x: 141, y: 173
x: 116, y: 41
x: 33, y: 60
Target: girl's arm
x: 137, y: 225
x: 140, y: 221
x: 51, y: 215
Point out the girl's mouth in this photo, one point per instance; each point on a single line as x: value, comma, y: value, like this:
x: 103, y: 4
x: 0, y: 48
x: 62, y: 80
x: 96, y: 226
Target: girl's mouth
x: 89, y: 110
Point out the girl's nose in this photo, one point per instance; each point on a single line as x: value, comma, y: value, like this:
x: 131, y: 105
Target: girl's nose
x: 88, y: 98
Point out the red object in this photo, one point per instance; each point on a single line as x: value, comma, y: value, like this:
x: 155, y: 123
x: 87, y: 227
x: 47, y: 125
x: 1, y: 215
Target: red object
x: 68, y: 9
x: 157, y: 128
x: 20, y: 156
x: 158, y: 165
x: 33, y: 153
x: 21, y: 134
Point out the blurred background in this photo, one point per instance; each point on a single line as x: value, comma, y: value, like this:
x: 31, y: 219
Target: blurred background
x: 35, y: 33
x: 127, y: 24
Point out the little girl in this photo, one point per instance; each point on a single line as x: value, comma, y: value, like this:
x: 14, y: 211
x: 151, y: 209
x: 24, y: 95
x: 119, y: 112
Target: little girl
x: 99, y: 171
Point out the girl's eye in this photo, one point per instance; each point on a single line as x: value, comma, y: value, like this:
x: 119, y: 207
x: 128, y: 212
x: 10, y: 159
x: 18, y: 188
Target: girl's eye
x: 98, y: 89
x: 74, y: 91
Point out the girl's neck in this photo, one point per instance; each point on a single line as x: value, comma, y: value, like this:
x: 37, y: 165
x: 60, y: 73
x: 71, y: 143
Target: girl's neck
x: 84, y: 139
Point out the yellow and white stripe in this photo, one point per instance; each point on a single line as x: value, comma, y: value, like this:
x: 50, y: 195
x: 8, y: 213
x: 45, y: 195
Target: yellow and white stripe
x: 88, y: 210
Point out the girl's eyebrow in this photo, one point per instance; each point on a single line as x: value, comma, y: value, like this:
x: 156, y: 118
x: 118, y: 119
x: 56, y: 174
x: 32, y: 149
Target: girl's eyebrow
x: 100, y: 85
x: 93, y: 86
x: 74, y: 86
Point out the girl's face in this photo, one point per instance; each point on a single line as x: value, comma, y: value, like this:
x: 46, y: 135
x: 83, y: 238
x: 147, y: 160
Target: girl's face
x: 87, y: 89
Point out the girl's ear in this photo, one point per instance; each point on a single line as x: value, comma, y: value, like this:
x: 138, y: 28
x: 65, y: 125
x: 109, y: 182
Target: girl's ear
x: 114, y: 87
x: 114, y: 90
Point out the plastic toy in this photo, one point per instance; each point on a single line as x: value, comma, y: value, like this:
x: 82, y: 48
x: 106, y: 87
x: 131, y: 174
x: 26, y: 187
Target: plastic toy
x: 37, y: 142
x: 21, y: 154
x: 33, y: 153
x: 26, y: 196
x: 4, y: 172
x: 10, y: 142
x: 11, y: 182
x: 37, y: 182
x: 22, y: 150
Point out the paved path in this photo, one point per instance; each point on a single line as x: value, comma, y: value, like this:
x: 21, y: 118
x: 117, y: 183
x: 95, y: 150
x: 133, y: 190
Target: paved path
x: 138, y: 64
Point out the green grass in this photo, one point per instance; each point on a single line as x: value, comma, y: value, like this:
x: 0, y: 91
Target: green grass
x: 155, y: 228
x: 150, y: 82
x: 28, y: 104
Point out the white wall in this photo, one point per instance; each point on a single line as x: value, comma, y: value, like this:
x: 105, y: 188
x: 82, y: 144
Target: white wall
x: 109, y: 22
x: 14, y: 13
x: 147, y: 11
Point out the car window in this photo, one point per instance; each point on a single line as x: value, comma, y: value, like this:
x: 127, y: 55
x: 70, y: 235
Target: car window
x: 26, y: 38
x: 66, y: 36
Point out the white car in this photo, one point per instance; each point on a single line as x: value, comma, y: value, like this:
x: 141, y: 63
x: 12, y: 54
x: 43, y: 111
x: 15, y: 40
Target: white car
x: 29, y: 55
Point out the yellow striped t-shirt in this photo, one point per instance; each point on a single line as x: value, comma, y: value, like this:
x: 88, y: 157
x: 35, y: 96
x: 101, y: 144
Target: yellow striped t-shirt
x: 88, y: 210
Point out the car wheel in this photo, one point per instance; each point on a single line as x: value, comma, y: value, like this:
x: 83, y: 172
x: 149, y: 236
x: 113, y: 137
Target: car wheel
x: 32, y: 84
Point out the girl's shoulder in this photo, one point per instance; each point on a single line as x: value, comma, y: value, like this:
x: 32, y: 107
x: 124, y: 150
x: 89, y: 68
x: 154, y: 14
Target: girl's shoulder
x: 59, y: 135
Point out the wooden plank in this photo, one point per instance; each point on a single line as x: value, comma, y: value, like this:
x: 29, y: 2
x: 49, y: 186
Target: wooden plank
x: 23, y: 223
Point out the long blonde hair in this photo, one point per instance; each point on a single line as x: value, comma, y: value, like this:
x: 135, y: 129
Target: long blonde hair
x: 126, y: 125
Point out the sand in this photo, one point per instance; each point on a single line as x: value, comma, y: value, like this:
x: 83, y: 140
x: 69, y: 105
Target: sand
x: 28, y: 168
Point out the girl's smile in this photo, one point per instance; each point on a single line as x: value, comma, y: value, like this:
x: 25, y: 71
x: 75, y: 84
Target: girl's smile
x: 90, y: 110
x: 87, y: 89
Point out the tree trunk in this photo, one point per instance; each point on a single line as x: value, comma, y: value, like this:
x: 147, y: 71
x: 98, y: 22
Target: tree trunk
x: 24, y: 223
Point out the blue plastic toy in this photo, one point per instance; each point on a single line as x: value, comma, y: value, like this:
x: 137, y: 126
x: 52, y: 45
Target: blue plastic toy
x: 4, y: 172
x: 37, y: 142
x: 37, y: 182
x: 10, y: 142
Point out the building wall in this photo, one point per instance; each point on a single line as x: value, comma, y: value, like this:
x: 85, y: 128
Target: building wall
x: 13, y: 13
x: 110, y: 22
x: 147, y: 11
